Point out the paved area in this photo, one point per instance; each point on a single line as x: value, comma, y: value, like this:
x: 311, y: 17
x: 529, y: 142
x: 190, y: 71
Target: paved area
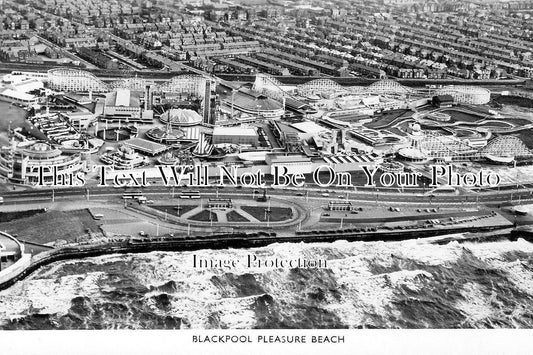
x: 8, y: 250
x: 307, y: 214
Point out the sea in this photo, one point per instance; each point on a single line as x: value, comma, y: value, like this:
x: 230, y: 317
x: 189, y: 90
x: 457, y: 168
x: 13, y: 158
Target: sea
x: 407, y: 284
x: 10, y: 115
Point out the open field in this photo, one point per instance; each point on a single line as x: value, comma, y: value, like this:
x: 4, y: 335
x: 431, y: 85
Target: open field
x: 276, y: 213
x: 204, y: 216
x: 52, y: 225
x: 514, y: 100
x: 173, y: 210
x: 388, y: 117
x: 11, y: 216
x: 234, y: 216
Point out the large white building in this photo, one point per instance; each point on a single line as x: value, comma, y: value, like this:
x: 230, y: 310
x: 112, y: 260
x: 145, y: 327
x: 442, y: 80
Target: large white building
x: 236, y: 135
x: 22, y: 165
x: 17, y: 97
x: 15, y: 89
x: 124, y: 104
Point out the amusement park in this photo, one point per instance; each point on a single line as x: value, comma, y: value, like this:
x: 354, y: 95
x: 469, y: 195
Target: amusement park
x: 135, y: 124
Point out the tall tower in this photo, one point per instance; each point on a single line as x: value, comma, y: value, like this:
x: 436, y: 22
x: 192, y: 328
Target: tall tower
x: 207, y: 101
x: 147, y: 98
x: 209, y: 105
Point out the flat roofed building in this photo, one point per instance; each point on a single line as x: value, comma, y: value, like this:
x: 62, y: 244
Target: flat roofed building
x: 80, y: 120
x: 146, y: 146
x: 442, y: 101
x: 341, y: 206
x: 236, y: 135
x: 17, y: 97
x: 293, y: 163
x: 124, y: 104
x: 219, y: 203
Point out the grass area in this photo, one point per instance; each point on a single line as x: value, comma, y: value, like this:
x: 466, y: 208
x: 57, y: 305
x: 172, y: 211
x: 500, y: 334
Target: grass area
x: 204, y: 216
x: 397, y: 131
x: 234, y: 216
x: 172, y: 209
x: 388, y: 117
x: 461, y: 116
x: 52, y: 225
x: 11, y: 216
x: 276, y: 213
x: 518, y: 121
x: 496, y: 124
x: 514, y: 100
x: 463, y: 133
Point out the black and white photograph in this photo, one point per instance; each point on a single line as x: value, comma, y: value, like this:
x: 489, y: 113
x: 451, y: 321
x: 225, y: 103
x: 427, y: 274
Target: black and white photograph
x: 274, y: 172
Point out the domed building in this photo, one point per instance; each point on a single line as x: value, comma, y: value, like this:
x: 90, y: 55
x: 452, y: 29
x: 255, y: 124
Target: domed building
x: 124, y: 158
x: 181, y: 117
x: 23, y: 165
x: 412, y: 154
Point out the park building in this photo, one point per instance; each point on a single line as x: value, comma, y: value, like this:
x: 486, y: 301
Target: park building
x: 22, y: 83
x: 124, y: 158
x: 178, y: 117
x: 219, y: 203
x: 17, y: 97
x: 79, y: 119
x: 236, y: 135
x: 22, y: 165
x: 341, y: 206
x: 442, y: 101
x: 125, y: 105
x: 250, y: 102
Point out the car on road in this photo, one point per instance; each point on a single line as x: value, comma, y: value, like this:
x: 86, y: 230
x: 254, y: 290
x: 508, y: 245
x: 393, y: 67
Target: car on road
x: 325, y: 194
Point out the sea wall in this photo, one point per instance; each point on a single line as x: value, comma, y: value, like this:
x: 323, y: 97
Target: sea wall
x: 221, y: 241
x: 16, y: 269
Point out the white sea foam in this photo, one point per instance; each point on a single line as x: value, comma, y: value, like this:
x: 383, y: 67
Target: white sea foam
x: 495, y: 250
x: 360, y: 293
x: 47, y: 296
x: 493, y: 255
x: 476, y: 305
x: 412, y: 279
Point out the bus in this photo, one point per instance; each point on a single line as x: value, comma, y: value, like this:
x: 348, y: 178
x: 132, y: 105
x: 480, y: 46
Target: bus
x: 132, y: 195
x: 190, y: 194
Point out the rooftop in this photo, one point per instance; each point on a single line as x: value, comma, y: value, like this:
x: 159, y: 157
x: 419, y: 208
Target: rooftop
x: 234, y: 131
x: 123, y: 97
x: 146, y: 146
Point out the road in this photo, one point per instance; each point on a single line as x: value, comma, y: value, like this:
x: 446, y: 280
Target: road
x: 406, y: 198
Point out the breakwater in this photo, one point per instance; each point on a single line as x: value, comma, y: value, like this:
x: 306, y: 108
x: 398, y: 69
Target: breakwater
x: 232, y: 240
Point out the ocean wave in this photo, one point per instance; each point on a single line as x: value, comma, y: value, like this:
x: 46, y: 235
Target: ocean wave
x: 408, y: 284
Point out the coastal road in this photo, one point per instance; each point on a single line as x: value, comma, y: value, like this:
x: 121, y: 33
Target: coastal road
x: 99, y: 192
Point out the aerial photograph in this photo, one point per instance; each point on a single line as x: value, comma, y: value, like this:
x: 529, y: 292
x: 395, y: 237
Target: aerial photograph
x: 266, y: 164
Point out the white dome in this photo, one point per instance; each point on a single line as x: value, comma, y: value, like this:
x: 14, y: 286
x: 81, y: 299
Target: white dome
x: 185, y: 117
